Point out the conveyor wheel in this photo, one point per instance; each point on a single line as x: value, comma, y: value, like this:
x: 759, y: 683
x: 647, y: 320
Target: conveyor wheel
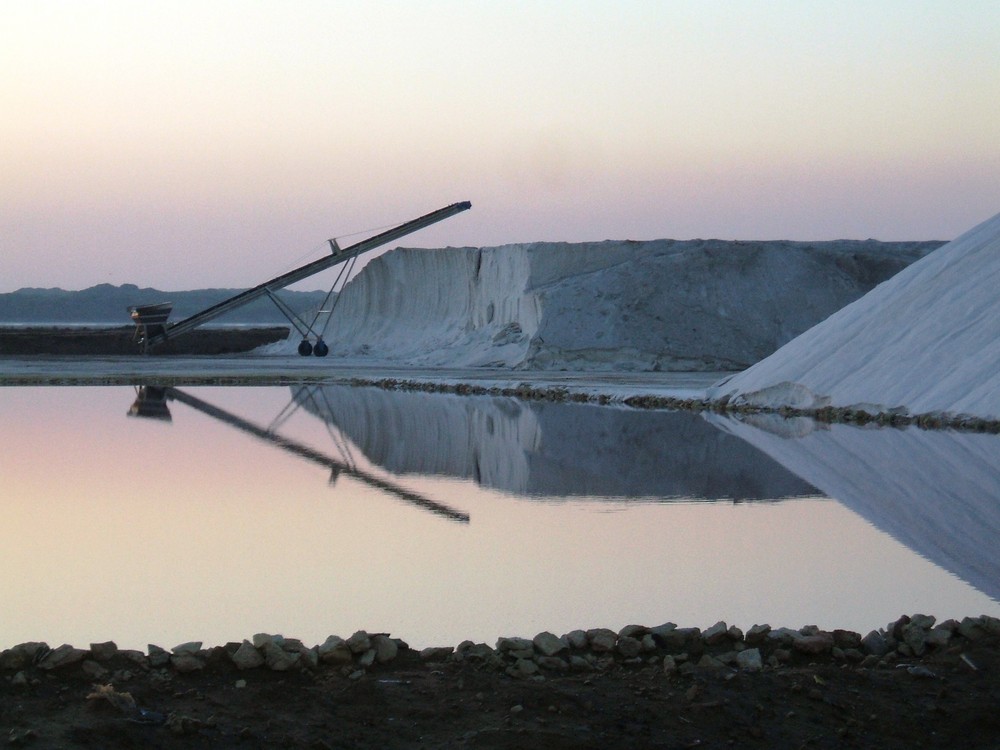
x: 321, y: 349
x: 305, y: 348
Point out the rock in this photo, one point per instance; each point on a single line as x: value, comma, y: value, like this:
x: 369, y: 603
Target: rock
x: 385, y: 648
x: 783, y: 636
x: 648, y: 643
x: 875, y: 643
x: 924, y: 622
x: 990, y: 624
x: 757, y: 635
x: 633, y: 631
x: 895, y: 629
x: 735, y: 634
x: 293, y: 645
x: 247, y: 657
x: 93, y: 670
x: 22, y: 655
x: 749, y: 660
x: 938, y: 637
x: 813, y: 644
x: 661, y: 630
x: 19, y: 680
x: 846, y: 639
x: 158, y: 657
x: 669, y: 665
x: 710, y: 662
x: 308, y: 657
x: 183, y: 725
x: 781, y: 655
x: 552, y: 663
x: 62, y: 656
x: 518, y: 648
x: 971, y: 628
x: 260, y: 640
x: 677, y: 639
x: 477, y: 652
x: 103, y: 651
x: 716, y: 634
x: 436, y: 653
x: 913, y: 637
x: 359, y: 642
x: 240, y: 684
x: 191, y: 647
x: 522, y: 668
x: 602, y: 640
x: 367, y: 659
x: 186, y: 662
x: 136, y: 657
x: 576, y: 639
x: 277, y: 659
x: 628, y: 647
x: 334, y: 650
x: 580, y: 664
x: 853, y: 655
x: 549, y: 644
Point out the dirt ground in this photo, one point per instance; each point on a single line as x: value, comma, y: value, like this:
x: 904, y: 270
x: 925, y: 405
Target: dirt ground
x: 947, y: 699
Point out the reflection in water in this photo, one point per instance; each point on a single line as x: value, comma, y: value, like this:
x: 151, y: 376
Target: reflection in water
x: 200, y: 529
x: 152, y: 402
x: 936, y: 492
x: 550, y: 449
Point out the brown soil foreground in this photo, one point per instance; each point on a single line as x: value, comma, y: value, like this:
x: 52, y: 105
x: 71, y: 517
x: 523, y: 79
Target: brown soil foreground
x: 657, y: 688
x: 118, y: 341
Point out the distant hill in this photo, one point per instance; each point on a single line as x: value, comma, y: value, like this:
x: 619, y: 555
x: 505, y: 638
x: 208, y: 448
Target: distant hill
x: 108, y: 304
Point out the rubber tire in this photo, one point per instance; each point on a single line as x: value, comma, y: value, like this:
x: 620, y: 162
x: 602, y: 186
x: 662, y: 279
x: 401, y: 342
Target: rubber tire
x: 305, y: 348
x: 321, y: 349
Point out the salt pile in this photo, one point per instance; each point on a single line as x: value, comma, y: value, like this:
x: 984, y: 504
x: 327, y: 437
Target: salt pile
x: 705, y: 305
x: 925, y: 341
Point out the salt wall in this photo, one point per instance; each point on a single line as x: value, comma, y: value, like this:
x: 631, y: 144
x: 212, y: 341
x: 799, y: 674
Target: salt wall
x: 613, y: 305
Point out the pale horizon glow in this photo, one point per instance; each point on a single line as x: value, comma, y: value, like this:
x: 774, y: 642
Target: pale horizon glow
x: 183, y: 144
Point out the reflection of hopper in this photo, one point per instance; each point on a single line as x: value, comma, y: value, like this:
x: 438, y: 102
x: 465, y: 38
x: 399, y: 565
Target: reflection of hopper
x: 150, y: 402
x: 150, y: 320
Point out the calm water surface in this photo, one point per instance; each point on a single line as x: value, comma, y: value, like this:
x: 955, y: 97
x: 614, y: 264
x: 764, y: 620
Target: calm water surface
x: 216, y: 513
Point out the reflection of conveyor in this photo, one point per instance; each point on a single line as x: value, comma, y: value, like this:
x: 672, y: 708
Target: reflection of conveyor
x: 151, y: 401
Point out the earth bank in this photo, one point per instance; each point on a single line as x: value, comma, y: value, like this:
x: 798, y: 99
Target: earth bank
x: 914, y: 683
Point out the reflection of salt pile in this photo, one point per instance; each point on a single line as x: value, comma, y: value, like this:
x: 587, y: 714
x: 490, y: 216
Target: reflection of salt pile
x: 933, y: 491
x: 927, y: 340
x: 551, y: 449
x: 670, y: 305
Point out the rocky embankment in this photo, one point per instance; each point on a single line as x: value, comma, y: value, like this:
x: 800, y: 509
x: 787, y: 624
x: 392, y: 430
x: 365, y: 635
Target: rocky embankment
x: 674, y: 649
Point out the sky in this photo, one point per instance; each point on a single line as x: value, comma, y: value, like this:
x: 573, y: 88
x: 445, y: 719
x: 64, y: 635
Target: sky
x: 213, y: 143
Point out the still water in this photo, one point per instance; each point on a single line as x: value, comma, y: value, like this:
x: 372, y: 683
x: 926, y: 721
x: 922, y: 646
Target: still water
x: 166, y: 515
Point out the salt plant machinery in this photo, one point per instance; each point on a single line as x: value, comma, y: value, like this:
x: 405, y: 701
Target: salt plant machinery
x: 153, y: 329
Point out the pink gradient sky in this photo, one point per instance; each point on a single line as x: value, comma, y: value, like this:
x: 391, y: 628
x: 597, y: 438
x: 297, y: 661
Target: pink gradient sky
x: 193, y: 144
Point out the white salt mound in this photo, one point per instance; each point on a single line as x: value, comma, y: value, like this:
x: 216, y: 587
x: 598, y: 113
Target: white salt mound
x: 925, y: 341
x: 705, y: 305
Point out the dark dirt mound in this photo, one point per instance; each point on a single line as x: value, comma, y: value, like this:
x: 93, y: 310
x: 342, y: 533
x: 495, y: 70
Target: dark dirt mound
x: 118, y: 341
